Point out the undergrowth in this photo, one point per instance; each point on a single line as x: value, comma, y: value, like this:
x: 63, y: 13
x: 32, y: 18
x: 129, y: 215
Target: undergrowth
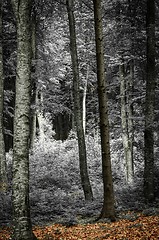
x: 55, y: 189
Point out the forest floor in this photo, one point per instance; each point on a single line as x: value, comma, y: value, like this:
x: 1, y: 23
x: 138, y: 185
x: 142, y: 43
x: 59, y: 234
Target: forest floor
x: 58, y: 209
x: 129, y: 225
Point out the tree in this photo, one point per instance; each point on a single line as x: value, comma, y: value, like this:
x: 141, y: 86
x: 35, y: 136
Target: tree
x: 34, y: 81
x: 108, y: 205
x: 149, y: 103
x: 9, y: 46
x: 84, y: 100
x: 3, y: 171
x: 77, y: 105
x: 126, y: 75
x: 22, y: 221
x: 126, y: 120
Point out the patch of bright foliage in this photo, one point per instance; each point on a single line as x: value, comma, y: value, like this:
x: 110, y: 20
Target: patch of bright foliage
x: 143, y: 228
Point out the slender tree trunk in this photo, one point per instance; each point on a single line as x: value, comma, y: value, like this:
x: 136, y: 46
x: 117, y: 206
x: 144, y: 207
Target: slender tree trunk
x: 22, y: 222
x: 41, y: 122
x: 73, y: 114
x: 41, y: 119
x: 130, y: 119
x: 77, y: 106
x: 84, y: 100
x: 33, y: 116
x: 3, y: 170
x: 34, y: 88
x: 127, y: 125
x: 149, y: 104
x: 108, y: 205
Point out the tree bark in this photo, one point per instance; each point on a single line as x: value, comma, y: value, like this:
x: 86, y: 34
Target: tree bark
x: 3, y: 169
x: 149, y: 104
x: 77, y: 105
x: 108, y: 209
x: 22, y: 223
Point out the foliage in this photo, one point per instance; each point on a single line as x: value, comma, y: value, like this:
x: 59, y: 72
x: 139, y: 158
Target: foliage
x: 55, y: 187
x: 56, y: 195
x: 56, y: 176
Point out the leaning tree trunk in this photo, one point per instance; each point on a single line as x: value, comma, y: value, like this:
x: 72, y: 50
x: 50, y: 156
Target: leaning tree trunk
x: 149, y: 104
x: 3, y: 171
x: 22, y: 223
x: 77, y: 106
x: 108, y: 206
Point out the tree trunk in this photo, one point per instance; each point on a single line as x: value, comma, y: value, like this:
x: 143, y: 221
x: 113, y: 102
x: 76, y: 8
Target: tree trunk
x: 22, y: 222
x: 41, y: 119
x: 108, y: 206
x: 126, y: 121
x: 3, y: 171
x: 34, y: 87
x: 33, y: 115
x: 77, y: 106
x: 130, y: 119
x: 149, y: 104
x: 84, y: 100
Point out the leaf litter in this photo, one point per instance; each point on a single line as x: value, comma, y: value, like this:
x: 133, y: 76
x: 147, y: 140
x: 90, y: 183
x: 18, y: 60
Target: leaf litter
x: 141, y: 228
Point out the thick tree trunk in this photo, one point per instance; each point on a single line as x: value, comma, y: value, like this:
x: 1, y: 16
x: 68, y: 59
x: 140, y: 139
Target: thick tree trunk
x: 126, y: 122
x: 3, y: 171
x: 108, y: 206
x: 22, y: 222
x: 77, y: 106
x: 149, y: 104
